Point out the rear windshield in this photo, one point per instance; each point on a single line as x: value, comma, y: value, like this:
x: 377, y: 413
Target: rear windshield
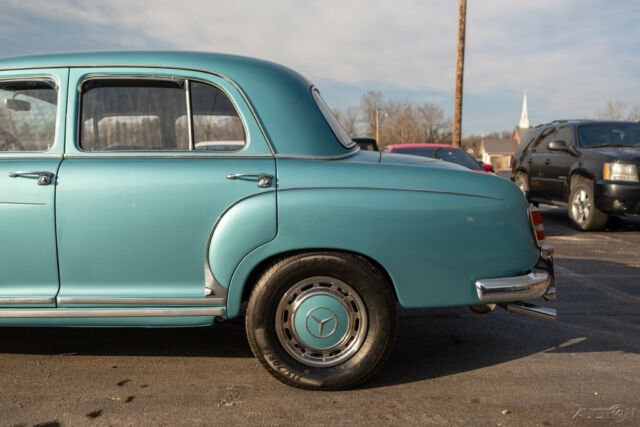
x: 460, y: 157
x: 609, y: 135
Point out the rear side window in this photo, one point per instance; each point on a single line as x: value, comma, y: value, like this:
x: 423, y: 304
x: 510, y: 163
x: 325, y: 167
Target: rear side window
x: 28, y: 111
x: 158, y: 115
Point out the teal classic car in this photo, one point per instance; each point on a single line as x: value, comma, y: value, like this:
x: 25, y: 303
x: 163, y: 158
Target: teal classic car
x: 173, y: 189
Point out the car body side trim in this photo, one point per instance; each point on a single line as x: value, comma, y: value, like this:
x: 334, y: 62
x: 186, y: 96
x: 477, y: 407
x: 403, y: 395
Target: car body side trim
x: 167, y: 155
x: 142, y: 301
x: 27, y: 300
x: 116, y: 312
x: 419, y: 190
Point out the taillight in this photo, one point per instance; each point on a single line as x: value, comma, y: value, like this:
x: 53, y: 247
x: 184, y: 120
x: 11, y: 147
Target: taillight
x: 536, y: 224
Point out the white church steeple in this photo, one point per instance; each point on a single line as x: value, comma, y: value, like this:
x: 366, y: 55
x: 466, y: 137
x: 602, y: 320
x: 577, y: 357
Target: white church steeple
x: 524, y: 118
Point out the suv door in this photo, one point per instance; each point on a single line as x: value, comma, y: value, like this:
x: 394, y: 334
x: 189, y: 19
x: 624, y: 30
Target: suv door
x: 146, y: 179
x: 540, y: 159
x: 32, y: 107
x: 556, y: 166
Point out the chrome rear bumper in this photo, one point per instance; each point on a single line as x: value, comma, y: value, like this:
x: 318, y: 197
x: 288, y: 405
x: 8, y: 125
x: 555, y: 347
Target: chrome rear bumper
x: 539, y: 282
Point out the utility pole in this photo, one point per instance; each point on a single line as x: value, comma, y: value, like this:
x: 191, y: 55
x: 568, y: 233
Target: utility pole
x: 457, y: 107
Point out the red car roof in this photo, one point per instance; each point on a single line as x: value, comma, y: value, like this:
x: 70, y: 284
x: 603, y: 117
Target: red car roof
x: 422, y: 145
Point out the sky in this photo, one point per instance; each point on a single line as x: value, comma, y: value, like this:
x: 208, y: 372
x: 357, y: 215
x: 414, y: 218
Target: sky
x: 571, y: 56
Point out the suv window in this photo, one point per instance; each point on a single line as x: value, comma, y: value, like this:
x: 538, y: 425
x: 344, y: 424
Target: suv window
x: 28, y: 111
x: 151, y: 115
x: 565, y: 133
x: 609, y: 134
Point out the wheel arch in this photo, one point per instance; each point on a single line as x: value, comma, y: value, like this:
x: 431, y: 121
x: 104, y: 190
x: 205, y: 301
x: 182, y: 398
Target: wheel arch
x: 258, y: 270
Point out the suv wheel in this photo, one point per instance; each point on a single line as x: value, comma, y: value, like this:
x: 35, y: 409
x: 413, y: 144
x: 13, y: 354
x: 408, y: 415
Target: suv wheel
x: 522, y: 181
x: 322, y: 321
x: 582, y: 209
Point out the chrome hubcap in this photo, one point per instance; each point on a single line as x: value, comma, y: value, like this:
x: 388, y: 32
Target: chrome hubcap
x: 581, y: 206
x: 321, y: 321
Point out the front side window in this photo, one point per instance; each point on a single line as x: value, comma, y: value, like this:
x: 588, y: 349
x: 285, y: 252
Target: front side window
x: 153, y: 115
x: 28, y: 111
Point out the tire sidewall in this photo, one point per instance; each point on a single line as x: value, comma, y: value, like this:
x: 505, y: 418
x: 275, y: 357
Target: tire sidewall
x: 380, y: 308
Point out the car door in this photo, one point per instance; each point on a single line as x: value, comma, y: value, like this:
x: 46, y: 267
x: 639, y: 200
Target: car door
x: 157, y: 157
x: 32, y: 106
x: 557, y: 164
x: 540, y: 157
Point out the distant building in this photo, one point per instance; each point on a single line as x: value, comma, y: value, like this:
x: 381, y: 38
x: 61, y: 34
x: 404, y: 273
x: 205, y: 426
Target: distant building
x: 523, y: 127
x: 499, y: 151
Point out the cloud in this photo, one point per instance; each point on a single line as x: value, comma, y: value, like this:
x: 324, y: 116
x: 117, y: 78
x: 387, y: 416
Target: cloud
x: 571, y: 56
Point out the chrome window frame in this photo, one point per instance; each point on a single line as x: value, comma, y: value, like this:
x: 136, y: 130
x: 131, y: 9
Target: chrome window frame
x: 321, y: 104
x: 31, y: 153
x: 152, y: 153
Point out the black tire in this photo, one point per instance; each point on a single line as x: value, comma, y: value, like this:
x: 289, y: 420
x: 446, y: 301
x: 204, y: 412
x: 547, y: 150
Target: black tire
x: 522, y: 181
x: 276, y: 347
x: 583, y: 212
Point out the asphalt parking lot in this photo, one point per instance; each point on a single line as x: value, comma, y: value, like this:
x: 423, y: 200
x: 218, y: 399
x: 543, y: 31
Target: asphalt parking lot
x: 449, y: 366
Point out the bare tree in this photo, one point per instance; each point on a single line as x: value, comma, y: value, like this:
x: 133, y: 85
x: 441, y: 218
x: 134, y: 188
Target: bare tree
x: 614, y: 110
x: 371, y: 106
x: 349, y: 119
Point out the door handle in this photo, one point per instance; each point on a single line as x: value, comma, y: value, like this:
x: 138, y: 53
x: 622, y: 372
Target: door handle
x: 44, y: 177
x: 264, y: 179
x: 547, y: 162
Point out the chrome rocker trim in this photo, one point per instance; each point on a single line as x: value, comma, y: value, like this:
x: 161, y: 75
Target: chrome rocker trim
x: 117, y: 312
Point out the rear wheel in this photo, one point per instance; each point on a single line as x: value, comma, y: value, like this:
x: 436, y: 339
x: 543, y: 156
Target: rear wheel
x: 582, y: 209
x: 322, y: 321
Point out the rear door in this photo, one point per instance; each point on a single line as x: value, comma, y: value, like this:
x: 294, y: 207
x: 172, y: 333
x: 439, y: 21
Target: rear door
x: 32, y: 111
x: 146, y: 178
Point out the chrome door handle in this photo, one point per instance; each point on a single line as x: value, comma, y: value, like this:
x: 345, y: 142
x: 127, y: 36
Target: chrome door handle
x: 44, y: 177
x: 264, y: 179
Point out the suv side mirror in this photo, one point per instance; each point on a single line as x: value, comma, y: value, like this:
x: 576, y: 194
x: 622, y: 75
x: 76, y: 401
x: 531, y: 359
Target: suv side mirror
x: 558, y: 146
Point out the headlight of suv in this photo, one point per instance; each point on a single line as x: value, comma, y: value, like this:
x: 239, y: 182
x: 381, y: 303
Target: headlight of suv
x: 620, y: 172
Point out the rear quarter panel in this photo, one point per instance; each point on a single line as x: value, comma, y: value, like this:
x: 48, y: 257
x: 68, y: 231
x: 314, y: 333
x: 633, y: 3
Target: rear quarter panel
x: 433, y: 239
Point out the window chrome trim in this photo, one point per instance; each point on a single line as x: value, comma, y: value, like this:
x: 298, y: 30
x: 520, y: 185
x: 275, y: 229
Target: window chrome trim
x: 56, y: 133
x: 187, y: 94
x: 187, y: 88
x: 310, y: 157
x: 116, y: 312
x: 169, y: 67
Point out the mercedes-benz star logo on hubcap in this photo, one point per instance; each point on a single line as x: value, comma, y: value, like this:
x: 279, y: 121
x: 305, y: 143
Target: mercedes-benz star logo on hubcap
x: 321, y: 322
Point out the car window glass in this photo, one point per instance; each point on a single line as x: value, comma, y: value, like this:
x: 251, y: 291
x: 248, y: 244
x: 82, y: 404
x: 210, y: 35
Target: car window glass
x: 457, y: 156
x: 565, y: 134
x: 334, y: 124
x: 424, y: 152
x: 27, y: 115
x: 216, y: 124
x: 129, y: 114
x: 541, y: 145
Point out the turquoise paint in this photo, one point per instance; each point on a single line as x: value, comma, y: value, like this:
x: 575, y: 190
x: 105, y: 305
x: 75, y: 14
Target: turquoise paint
x: 140, y: 227
x: 435, y: 229
x: 245, y: 226
x: 27, y: 232
x: 310, y: 315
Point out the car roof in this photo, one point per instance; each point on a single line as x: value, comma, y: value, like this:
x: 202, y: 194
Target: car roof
x: 280, y: 97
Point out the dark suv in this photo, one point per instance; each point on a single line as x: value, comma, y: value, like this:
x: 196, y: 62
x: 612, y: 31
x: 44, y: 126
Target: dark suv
x: 589, y: 166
